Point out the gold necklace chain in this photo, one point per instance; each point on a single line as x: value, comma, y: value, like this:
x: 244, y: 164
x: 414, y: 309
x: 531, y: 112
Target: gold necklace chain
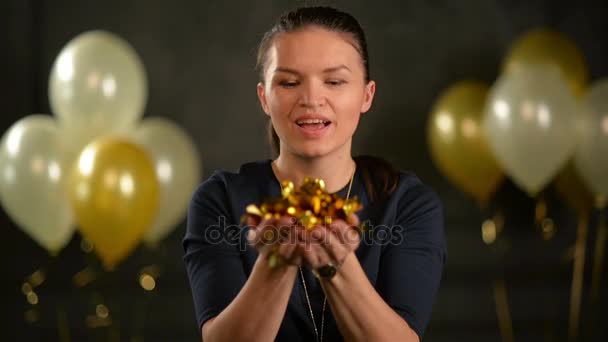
x: 312, y: 316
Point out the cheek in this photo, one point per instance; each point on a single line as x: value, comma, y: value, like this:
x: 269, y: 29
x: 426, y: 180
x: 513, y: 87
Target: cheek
x: 351, y: 113
x: 352, y: 123
x: 348, y: 107
x: 281, y: 101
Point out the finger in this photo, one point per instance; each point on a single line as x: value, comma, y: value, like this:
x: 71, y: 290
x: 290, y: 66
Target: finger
x: 304, y: 250
x: 347, y: 234
x: 320, y: 234
x: 352, y: 239
x: 307, y: 247
x: 300, y: 234
x: 339, y: 228
x: 296, y: 259
x: 325, y: 238
x: 251, y: 236
x: 322, y: 256
x: 286, y: 220
x: 353, y: 219
x: 310, y: 250
x: 289, y: 255
x: 286, y: 249
x: 252, y: 221
x: 285, y: 223
x: 314, y: 253
x: 263, y: 234
x: 337, y: 246
x: 286, y: 246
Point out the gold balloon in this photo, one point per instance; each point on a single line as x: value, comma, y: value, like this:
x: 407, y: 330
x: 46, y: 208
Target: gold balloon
x: 115, y: 195
x: 458, y: 143
x: 573, y: 191
x: 544, y: 46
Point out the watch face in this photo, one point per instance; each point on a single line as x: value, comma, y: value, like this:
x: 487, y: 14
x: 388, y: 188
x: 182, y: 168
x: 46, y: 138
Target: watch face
x: 327, y: 271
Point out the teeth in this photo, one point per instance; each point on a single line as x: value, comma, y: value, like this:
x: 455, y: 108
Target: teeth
x: 310, y: 121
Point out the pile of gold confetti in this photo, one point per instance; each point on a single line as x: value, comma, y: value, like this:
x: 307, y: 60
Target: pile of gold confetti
x: 311, y: 205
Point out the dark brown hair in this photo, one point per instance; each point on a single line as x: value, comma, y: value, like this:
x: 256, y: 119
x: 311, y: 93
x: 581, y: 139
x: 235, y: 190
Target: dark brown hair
x: 374, y: 170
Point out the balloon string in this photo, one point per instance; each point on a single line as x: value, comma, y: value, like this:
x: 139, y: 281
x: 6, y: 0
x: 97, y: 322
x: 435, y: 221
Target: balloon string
x: 600, y: 244
x: 32, y: 282
x: 598, y: 262
x: 40, y: 275
x: 114, y: 331
x: 542, y: 220
x: 540, y: 211
x: 577, y: 278
x: 491, y: 229
x: 89, y: 273
x: 502, y: 310
x: 139, y: 320
x: 63, y: 327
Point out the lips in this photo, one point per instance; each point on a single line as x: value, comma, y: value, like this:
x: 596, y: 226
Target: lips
x: 312, y: 120
x: 313, y: 131
x: 314, y: 125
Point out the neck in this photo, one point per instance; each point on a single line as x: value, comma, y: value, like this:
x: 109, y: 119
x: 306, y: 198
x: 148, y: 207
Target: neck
x: 336, y: 171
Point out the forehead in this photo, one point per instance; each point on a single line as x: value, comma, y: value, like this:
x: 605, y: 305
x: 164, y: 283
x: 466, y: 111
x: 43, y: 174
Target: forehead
x: 313, y: 48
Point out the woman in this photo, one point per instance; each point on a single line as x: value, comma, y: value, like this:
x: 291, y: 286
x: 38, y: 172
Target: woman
x: 334, y: 283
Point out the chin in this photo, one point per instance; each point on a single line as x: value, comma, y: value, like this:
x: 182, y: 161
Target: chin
x: 312, y: 151
x: 319, y: 148
x: 310, y: 155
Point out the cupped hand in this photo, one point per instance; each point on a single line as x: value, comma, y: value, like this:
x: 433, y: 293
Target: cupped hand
x: 331, y: 244
x: 295, y: 245
x: 276, y: 237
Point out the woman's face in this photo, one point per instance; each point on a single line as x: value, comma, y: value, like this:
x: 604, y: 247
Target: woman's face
x: 314, y: 91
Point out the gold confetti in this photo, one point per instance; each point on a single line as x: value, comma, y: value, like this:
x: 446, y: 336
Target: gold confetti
x: 253, y: 209
x: 310, y: 204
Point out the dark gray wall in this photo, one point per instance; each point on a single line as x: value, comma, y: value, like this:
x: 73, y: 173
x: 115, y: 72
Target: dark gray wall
x: 199, y: 56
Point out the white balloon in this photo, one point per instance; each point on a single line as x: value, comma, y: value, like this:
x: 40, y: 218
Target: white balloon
x: 32, y: 181
x: 591, y: 154
x: 97, y: 86
x: 178, y: 168
x: 529, y: 121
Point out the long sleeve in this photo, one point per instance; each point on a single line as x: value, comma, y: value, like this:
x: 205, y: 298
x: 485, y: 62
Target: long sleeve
x: 412, y: 261
x: 212, y: 258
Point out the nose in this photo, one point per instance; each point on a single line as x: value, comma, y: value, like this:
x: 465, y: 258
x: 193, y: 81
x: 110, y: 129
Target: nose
x: 312, y: 94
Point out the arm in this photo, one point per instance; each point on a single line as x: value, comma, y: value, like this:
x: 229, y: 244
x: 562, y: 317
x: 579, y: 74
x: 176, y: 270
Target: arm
x: 356, y: 306
x: 257, y: 311
x: 230, y: 306
x: 408, y: 277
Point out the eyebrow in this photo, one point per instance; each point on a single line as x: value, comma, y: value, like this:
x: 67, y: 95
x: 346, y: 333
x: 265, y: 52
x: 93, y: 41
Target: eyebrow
x: 325, y: 71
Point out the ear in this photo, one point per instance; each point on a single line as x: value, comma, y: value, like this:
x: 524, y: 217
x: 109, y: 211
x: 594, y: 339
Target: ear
x: 262, y: 98
x: 368, y: 97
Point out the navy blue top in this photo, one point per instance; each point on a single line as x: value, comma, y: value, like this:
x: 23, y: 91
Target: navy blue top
x: 402, y: 252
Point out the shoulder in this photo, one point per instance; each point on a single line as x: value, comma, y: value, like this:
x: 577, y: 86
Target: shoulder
x: 222, y: 182
x: 385, y: 182
x: 227, y: 192
x: 413, y: 197
x: 410, y: 185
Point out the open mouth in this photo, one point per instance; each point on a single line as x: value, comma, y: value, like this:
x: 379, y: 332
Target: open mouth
x: 313, y: 124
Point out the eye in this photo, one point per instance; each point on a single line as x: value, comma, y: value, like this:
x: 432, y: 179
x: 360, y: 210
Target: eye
x: 335, y: 82
x: 288, y: 83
